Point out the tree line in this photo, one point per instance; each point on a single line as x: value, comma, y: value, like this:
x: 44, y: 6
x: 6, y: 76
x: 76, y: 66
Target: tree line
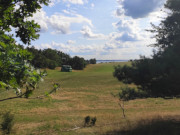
x: 52, y: 58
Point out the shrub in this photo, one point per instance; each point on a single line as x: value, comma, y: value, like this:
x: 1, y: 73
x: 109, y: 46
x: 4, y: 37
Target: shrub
x: 93, y: 121
x: 7, y: 123
x: 89, y: 121
x: 128, y: 93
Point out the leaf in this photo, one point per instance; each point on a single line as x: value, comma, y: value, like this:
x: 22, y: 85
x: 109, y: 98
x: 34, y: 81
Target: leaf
x: 3, y: 85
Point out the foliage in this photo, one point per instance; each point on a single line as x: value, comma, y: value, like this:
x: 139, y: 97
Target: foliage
x: 15, y: 14
x: 56, y: 86
x: 47, y: 58
x: 78, y: 63
x: 158, y: 75
x: 123, y: 73
x: 128, y: 93
x: 7, y: 123
x: 92, y: 61
x: 51, y: 58
x: 93, y: 121
x: 15, y: 70
x: 87, y: 120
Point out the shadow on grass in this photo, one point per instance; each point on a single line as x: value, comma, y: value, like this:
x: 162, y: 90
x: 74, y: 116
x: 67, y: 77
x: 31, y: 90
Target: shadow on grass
x: 157, y: 126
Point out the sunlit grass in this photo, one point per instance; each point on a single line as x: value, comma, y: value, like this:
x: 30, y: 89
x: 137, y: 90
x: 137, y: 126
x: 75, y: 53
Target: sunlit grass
x: 82, y: 93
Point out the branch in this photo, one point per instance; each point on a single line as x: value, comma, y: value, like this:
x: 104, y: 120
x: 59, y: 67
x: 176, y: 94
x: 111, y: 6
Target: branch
x: 21, y: 96
x: 1, y: 100
x: 122, y: 107
x: 9, y: 98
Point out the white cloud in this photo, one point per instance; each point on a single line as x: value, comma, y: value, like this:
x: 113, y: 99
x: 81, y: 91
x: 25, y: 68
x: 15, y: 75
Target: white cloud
x: 127, y: 42
x: 69, y: 42
x: 59, y: 23
x: 41, y: 18
x: 53, y: 2
x: 92, y: 5
x: 129, y: 30
x: 112, y: 49
x: 70, y: 48
x: 78, y: 2
x: 81, y: 2
x: 156, y: 17
x: 87, y: 33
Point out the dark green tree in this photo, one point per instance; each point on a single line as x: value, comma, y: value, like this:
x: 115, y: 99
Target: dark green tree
x: 92, y: 61
x: 48, y: 58
x: 159, y: 75
x: 78, y: 63
x: 65, y: 58
x: 15, y: 70
x: 16, y: 14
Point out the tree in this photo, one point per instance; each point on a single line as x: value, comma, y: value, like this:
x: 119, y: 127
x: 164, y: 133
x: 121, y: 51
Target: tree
x: 78, y: 63
x: 159, y: 75
x: 92, y: 61
x: 15, y: 70
x: 52, y: 58
x: 48, y: 58
x: 16, y: 13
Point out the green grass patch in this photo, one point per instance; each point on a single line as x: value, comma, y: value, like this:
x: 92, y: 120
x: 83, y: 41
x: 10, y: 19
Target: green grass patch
x: 82, y: 93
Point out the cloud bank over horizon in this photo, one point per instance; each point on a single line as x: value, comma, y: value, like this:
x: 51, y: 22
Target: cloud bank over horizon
x: 92, y: 29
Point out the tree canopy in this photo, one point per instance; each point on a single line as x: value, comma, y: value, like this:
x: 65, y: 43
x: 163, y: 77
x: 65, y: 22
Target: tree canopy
x: 16, y: 14
x: 159, y: 75
x: 15, y: 70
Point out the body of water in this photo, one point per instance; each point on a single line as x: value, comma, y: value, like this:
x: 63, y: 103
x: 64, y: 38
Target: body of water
x: 108, y: 61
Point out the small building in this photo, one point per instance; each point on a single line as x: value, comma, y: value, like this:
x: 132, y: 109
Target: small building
x: 66, y: 68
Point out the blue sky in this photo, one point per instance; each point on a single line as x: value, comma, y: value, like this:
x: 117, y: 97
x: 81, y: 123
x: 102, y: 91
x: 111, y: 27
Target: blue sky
x: 101, y: 29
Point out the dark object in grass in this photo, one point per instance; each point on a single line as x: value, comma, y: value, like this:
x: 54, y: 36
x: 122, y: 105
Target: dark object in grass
x: 88, y: 121
x: 93, y: 121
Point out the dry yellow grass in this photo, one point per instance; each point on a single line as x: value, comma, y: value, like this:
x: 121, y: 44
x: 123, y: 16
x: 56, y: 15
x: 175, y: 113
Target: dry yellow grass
x: 83, y: 93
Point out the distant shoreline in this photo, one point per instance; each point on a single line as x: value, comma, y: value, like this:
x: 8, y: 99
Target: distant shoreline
x: 108, y: 61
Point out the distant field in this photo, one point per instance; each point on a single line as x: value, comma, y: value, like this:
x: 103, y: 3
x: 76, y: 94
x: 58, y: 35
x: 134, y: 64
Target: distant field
x: 82, y: 93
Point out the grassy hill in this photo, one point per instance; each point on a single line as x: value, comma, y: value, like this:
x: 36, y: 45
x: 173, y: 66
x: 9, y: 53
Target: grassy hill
x: 83, y: 93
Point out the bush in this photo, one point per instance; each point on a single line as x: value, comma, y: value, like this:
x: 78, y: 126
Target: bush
x: 128, y: 93
x: 78, y: 63
x: 93, y: 121
x: 7, y: 123
x: 89, y: 121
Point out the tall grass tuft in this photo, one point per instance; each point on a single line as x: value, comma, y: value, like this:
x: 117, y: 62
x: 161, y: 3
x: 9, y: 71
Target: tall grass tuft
x: 7, y: 123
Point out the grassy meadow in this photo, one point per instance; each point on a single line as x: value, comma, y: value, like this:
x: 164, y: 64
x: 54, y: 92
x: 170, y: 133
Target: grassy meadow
x: 84, y: 93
